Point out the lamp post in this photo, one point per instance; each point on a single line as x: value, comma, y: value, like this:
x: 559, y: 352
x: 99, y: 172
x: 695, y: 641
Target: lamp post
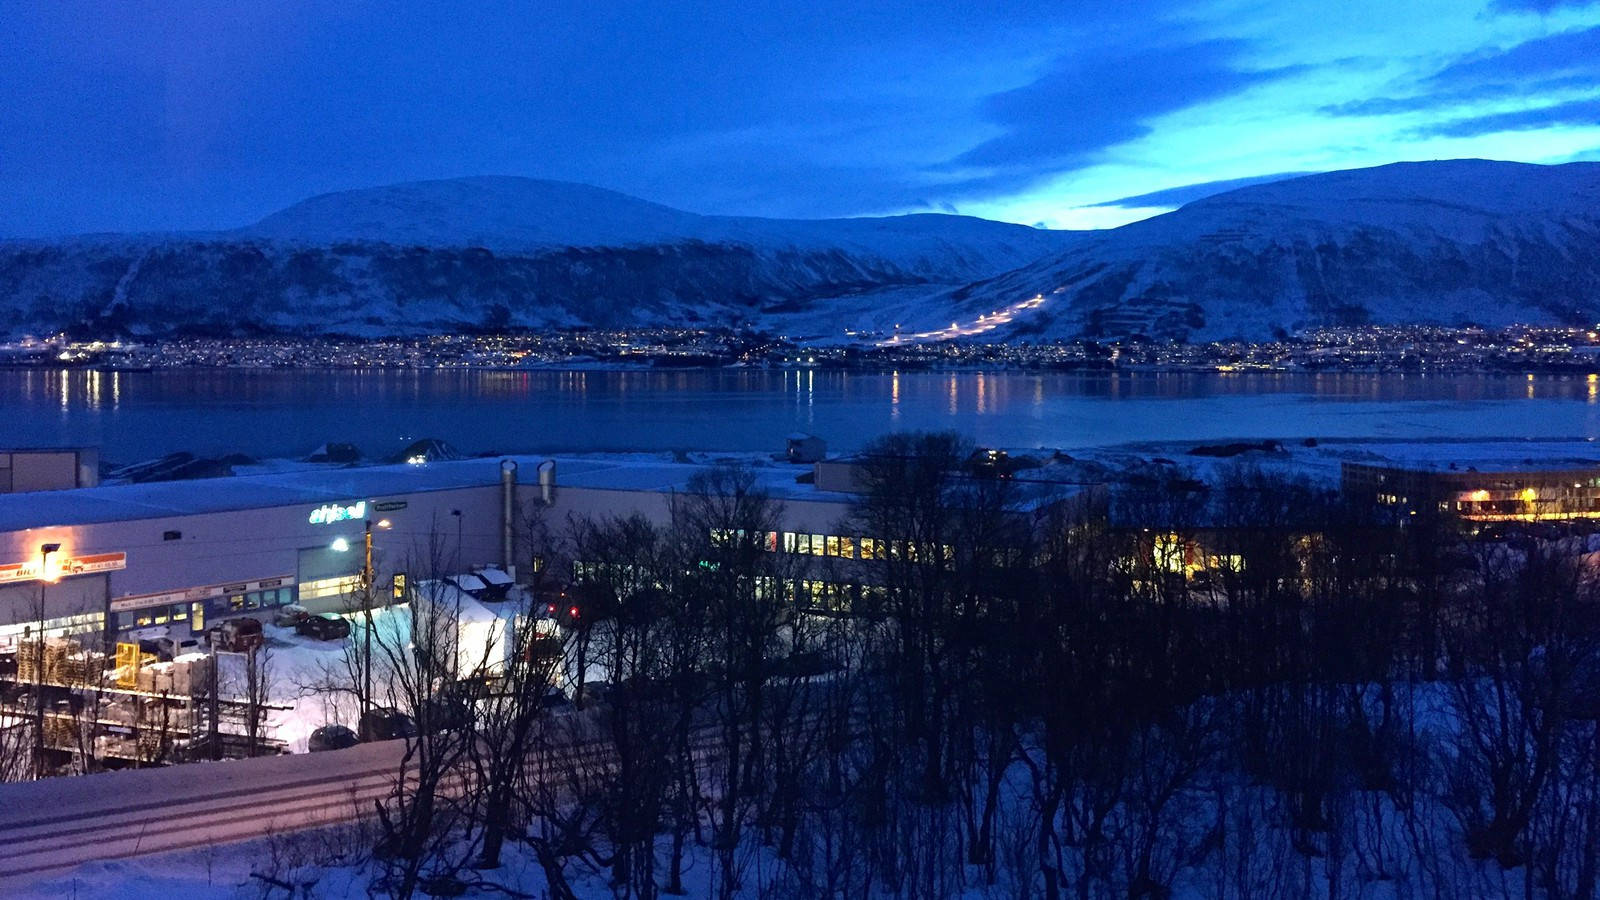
x: 367, y: 577
x: 38, y: 661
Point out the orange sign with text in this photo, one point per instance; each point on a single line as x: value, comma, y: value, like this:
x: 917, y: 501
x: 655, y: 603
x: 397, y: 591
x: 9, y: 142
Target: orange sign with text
x: 62, y: 567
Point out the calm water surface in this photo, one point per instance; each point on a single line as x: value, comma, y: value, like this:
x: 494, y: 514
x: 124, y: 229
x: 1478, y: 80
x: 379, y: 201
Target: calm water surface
x: 287, y: 413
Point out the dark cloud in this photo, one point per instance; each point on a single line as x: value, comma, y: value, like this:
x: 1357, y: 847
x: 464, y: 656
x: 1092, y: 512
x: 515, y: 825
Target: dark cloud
x: 1531, y: 63
x: 1576, y: 112
x: 1189, y: 193
x: 1538, y: 6
x: 1560, y: 62
x: 1089, y: 101
x: 1446, y: 97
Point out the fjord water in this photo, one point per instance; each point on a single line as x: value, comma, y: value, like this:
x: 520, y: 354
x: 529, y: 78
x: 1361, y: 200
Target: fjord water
x: 286, y: 413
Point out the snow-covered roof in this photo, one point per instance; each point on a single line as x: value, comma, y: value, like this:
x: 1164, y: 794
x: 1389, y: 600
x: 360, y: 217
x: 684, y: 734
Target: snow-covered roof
x: 312, y: 486
x: 128, y: 502
x: 665, y: 477
x: 468, y: 582
x: 491, y: 575
x: 1481, y: 456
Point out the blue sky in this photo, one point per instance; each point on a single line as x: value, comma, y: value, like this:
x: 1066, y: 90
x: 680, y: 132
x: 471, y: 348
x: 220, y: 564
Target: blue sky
x: 193, y: 114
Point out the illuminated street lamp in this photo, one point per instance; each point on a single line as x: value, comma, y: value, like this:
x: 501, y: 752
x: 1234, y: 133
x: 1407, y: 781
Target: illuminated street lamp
x: 367, y: 577
x: 45, y: 577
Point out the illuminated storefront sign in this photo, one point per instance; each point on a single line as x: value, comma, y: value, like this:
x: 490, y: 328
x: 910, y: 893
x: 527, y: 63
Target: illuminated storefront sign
x: 328, y: 513
x: 190, y: 595
x: 62, y: 567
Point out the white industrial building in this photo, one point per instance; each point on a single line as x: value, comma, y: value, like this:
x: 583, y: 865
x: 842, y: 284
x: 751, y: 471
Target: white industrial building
x: 174, y: 557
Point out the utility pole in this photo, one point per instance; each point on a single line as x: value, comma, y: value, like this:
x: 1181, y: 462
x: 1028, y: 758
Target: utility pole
x: 368, y: 576
x: 366, y: 625
x: 38, y: 661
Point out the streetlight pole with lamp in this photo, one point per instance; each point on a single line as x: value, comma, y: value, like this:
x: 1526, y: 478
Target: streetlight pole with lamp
x: 367, y: 578
x: 45, y: 577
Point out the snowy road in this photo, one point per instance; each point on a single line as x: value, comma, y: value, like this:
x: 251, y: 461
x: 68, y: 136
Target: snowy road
x: 58, y: 823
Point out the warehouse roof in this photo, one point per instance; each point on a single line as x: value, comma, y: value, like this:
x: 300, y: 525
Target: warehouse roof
x: 127, y: 502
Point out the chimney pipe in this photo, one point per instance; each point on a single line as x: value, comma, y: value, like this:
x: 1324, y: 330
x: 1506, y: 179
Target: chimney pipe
x: 547, y: 481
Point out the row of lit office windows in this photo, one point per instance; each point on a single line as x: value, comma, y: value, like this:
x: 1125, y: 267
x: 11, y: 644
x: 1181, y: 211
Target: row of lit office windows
x: 839, y: 546
x: 64, y: 626
x: 807, y: 593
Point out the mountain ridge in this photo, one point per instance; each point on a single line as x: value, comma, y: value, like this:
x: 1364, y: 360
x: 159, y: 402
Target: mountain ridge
x: 1451, y: 242
x: 1448, y: 242
x: 488, y: 252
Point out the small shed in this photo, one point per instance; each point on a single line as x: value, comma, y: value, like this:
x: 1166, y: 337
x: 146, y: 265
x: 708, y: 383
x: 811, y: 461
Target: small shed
x: 806, y: 448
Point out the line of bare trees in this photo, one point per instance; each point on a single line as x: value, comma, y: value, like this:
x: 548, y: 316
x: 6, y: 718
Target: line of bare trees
x: 1241, y: 688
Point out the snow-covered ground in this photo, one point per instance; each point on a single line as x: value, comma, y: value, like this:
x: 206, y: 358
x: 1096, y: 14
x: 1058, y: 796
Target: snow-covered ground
x: 1224, y: 831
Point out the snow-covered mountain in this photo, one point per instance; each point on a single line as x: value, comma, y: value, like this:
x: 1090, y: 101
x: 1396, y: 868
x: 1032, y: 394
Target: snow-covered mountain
x: 1458, y: 241
x: 1446, y: 242
x: 491, y: 252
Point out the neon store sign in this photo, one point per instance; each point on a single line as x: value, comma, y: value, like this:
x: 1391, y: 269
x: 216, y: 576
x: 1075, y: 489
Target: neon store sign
x: 329, y: 513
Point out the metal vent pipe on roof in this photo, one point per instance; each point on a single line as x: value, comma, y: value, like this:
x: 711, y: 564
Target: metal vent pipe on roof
x: 508, y: 516
x: 547, y: 481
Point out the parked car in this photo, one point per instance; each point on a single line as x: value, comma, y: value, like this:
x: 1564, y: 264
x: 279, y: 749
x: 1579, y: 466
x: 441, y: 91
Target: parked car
x: 290, y: 616
x: 238, y: 635
x: 386, y: 724
x: 331, y: 737
x: 323, y: 628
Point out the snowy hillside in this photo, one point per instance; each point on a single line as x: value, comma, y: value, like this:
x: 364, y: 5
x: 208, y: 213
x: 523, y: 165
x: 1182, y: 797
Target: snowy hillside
x: 1460, y: 241
x: 492, y: 253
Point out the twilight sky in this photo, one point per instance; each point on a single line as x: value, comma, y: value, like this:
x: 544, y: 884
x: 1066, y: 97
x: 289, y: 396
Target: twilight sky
x: 192, y: 114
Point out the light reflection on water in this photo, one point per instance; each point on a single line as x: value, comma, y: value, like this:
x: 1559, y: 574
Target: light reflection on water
x: 135, y: 415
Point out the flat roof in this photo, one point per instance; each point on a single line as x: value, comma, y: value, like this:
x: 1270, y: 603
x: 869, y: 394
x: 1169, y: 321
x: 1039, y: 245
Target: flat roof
x: 323, y: 484
x: 1487, y: 457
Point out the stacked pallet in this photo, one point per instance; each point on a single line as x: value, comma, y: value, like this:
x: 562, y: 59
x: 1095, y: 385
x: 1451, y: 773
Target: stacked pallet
x: 53, y: 660
x: 80, y: 667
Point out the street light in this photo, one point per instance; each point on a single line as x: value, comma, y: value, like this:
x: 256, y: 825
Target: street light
x: 367, y: 577
x: 44, y: 561
x: 45, y: 577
